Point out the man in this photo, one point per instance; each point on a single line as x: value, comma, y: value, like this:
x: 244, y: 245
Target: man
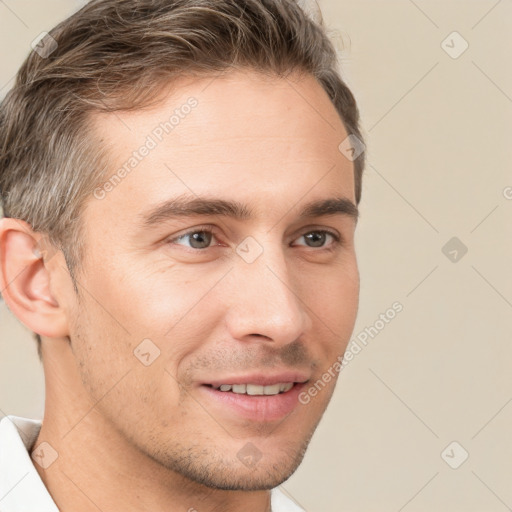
x: 180, y: 181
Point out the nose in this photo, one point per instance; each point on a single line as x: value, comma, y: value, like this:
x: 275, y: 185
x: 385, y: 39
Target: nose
x: 265, y: 301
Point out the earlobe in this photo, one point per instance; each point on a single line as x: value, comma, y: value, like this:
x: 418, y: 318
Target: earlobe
x: 25, y: 279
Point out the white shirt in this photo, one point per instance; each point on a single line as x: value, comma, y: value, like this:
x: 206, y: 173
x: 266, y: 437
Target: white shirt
x: 21, y: 487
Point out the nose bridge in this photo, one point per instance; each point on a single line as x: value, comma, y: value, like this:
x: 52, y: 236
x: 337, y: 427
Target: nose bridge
x: 265, y: 299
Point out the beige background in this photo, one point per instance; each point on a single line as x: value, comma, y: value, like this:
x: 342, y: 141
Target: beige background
x: 439, y: 163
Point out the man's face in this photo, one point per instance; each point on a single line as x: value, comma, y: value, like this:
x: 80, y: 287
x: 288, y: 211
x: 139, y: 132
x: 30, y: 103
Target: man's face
x: 267, y: 296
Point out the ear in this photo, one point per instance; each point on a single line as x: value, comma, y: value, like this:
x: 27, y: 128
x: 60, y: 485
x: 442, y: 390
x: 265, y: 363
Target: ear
x: 25, y: 278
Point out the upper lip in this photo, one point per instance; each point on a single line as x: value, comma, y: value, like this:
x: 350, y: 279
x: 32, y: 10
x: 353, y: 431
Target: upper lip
x: 261, y: 379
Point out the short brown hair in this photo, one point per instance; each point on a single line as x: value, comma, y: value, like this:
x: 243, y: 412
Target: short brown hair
x: 116, y: 55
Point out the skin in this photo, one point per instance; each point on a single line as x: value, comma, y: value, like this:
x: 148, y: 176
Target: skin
x: 134, y: 437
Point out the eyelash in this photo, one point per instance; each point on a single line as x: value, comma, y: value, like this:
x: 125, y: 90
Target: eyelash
x: 209, y: 230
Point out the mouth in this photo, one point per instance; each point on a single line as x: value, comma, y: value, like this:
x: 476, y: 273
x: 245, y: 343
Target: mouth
x: 255, y: 389
x: 253, y: 400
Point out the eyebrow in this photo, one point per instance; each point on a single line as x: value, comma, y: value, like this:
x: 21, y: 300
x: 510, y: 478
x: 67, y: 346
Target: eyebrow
x: 188, y: 206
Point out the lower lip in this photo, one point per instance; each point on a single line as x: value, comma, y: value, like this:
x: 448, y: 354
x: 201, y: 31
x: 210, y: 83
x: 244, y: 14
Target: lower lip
x: 260, y: 408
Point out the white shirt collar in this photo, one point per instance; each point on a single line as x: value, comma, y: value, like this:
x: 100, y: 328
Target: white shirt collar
x: 21, y: 487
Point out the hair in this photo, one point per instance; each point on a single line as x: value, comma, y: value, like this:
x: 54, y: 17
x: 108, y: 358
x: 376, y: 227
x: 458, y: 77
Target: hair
x: 119, y: 55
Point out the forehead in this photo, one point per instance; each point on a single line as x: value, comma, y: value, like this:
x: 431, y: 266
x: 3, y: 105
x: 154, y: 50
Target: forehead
x: 264, y: 140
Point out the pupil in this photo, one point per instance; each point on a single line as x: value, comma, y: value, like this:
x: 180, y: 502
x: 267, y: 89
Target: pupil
x: 203, y: 239
x: 318, y: 239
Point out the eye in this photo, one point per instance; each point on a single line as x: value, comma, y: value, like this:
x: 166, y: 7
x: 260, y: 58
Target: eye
x: 199, y: 238
x: 318, y: 238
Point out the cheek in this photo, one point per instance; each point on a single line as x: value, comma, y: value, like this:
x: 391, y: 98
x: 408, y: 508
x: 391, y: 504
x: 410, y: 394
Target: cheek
x: 121, y: 381
x: 157, y: 316
x: 346, y: 296
x: 333, y: 299
x: 101, y: 348
x: 158, y: 299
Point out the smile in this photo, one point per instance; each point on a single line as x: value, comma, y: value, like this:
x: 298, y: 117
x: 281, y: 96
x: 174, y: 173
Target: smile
x: 255, y: 389
x: 258, y: 403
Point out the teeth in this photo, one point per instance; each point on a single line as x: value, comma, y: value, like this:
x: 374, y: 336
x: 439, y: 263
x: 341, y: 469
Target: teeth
x: 271, y: 390
x: 254, y: 389
x: 286, y: 387
x: 239, y: 388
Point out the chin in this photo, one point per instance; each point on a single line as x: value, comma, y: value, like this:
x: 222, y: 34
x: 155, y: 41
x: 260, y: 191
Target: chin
x: 261, y: 479
x: 215, y: 470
